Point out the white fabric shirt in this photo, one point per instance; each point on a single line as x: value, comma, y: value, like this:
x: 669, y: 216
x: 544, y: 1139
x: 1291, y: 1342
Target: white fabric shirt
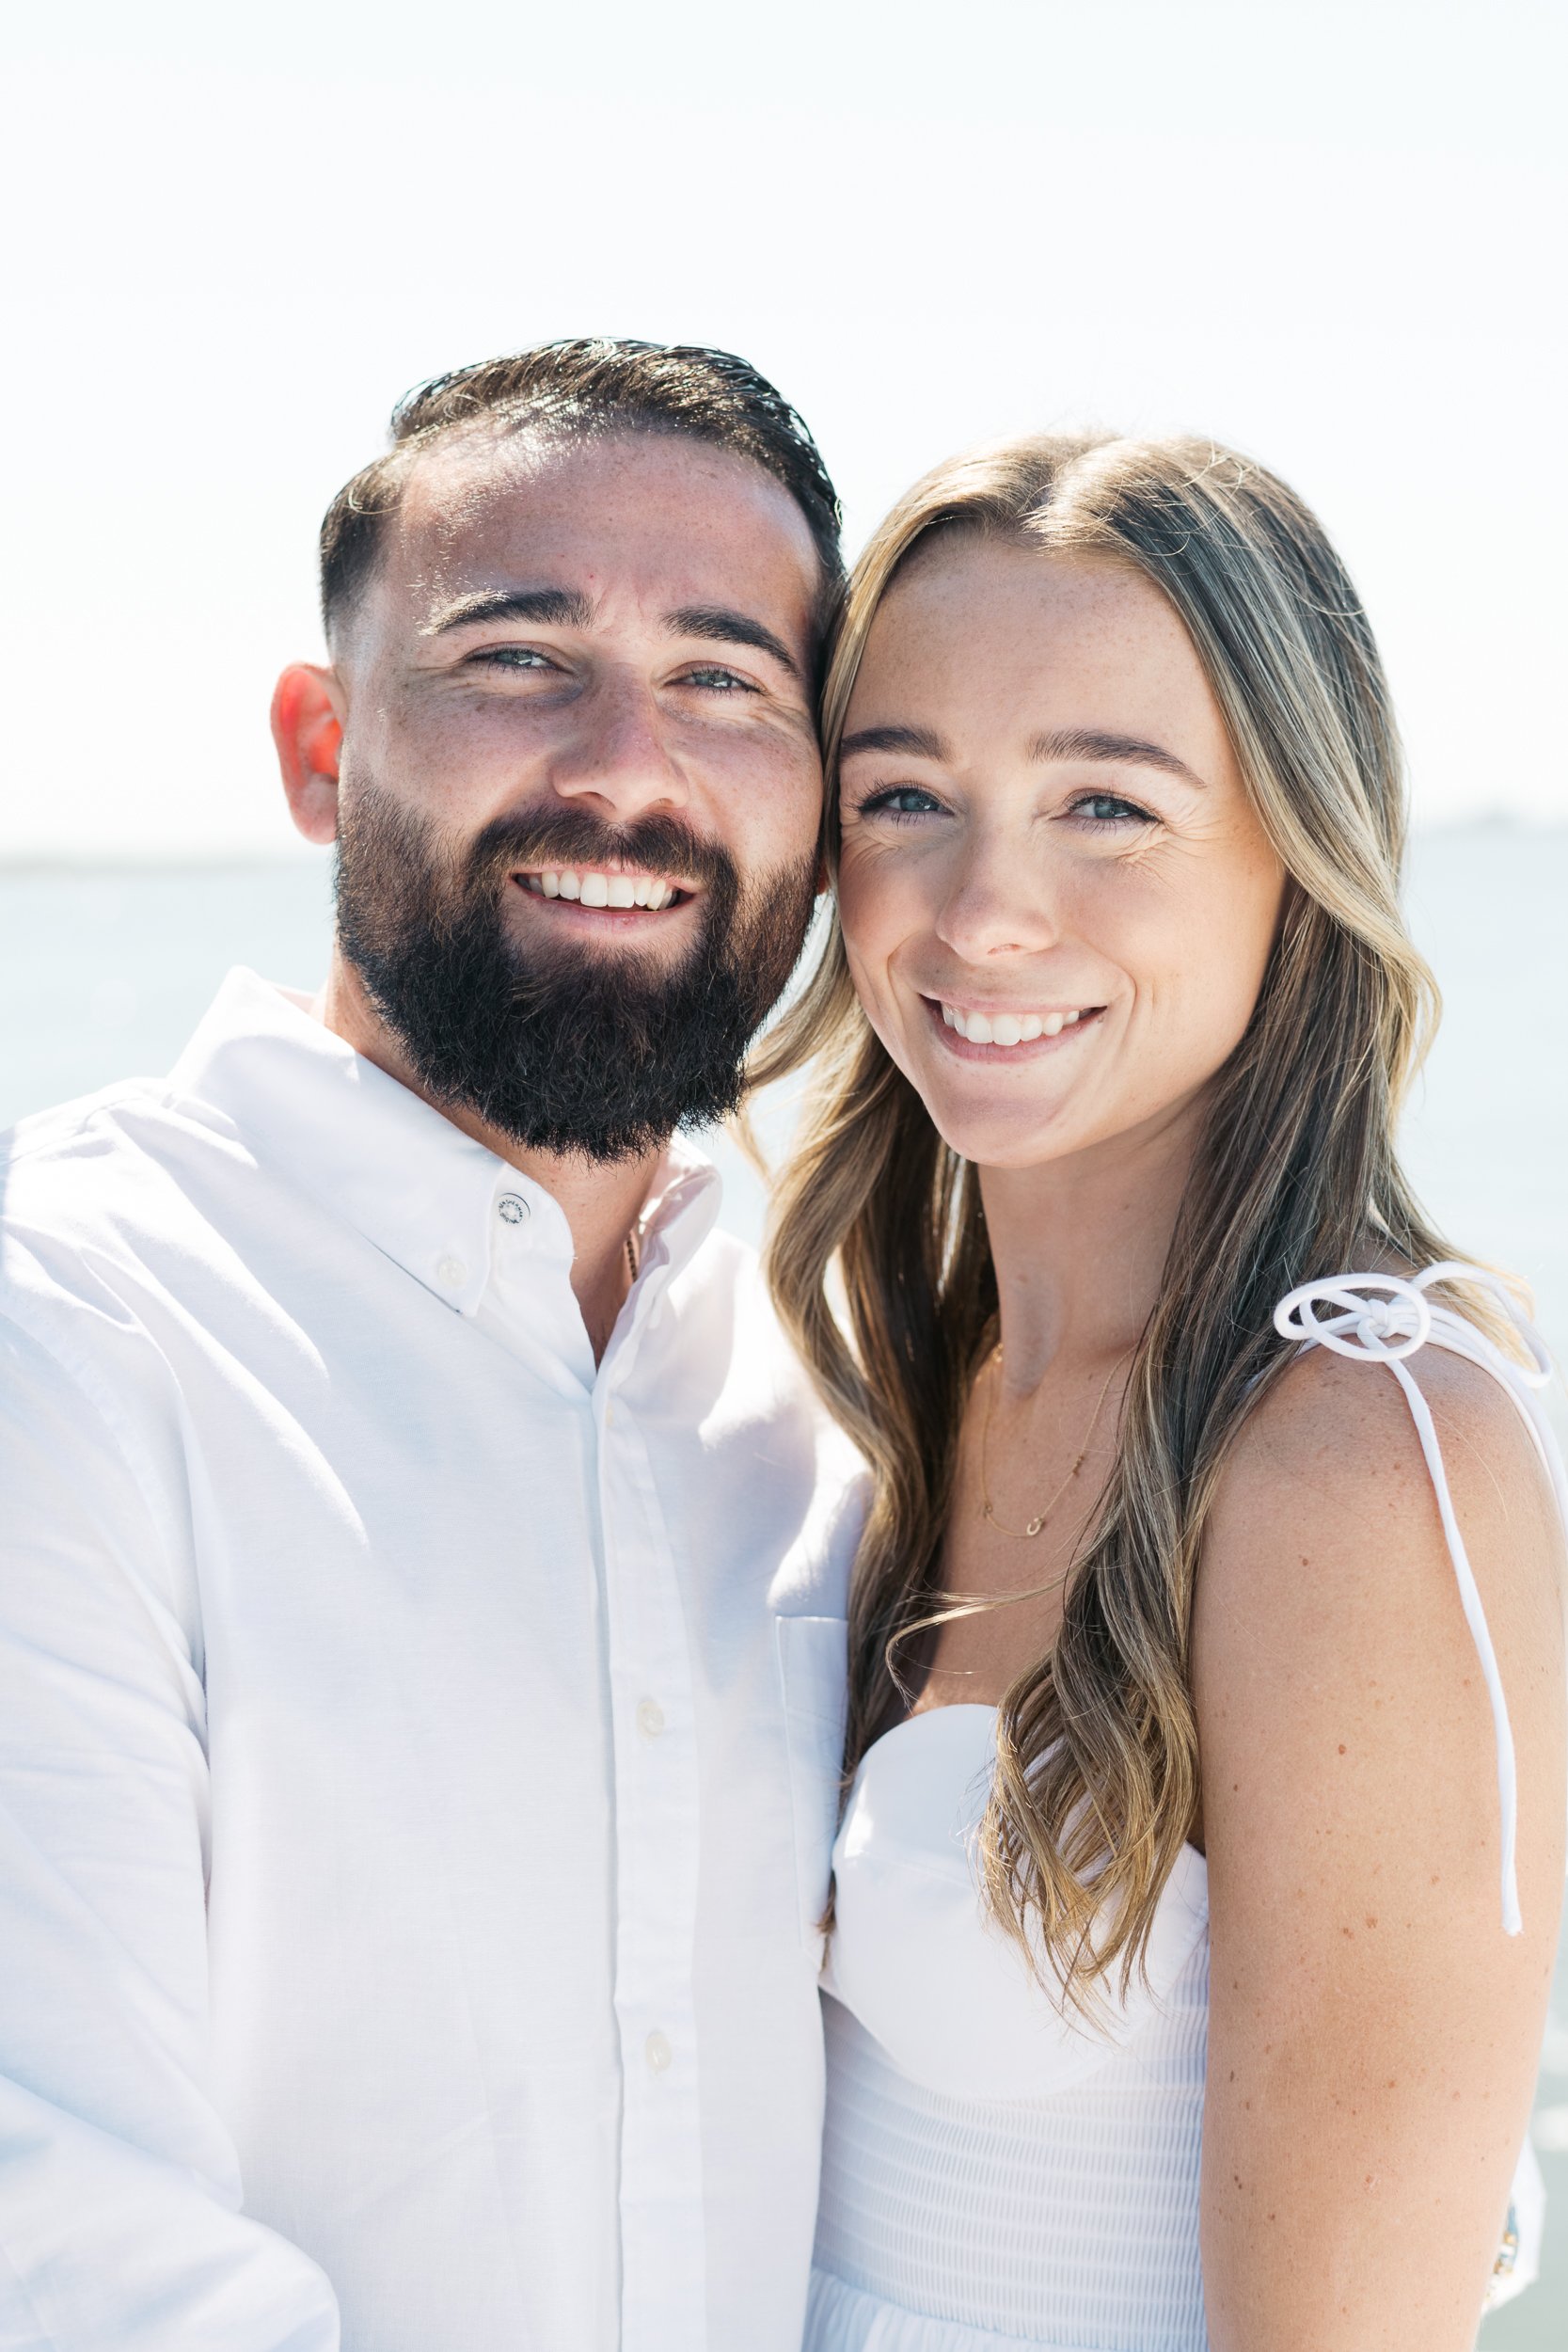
x: 418, y: 1747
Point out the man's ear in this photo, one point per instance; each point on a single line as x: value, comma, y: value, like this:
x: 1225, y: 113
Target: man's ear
x: 307, y: 729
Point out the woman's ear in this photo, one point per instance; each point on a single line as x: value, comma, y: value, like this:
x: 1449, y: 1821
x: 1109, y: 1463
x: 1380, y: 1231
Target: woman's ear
x: 307, y: 729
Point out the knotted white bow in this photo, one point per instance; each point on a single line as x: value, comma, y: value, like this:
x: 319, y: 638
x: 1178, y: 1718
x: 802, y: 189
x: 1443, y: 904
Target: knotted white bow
x: 1384, y: 1318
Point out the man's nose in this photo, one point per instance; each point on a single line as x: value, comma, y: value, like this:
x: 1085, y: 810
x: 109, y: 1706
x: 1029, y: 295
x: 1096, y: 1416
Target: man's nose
x: 618, y: 761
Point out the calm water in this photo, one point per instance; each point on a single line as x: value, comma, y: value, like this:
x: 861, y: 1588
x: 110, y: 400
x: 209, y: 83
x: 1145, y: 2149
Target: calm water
x: 105, y: 974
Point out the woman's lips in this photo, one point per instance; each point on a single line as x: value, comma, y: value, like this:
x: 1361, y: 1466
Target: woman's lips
x: 994, y: 1035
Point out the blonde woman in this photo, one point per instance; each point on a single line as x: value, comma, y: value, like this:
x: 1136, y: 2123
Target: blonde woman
x: 1197, y: 1891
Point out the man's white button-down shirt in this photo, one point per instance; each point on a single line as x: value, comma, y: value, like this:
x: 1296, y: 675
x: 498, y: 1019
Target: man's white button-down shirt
x: 417, y: 1745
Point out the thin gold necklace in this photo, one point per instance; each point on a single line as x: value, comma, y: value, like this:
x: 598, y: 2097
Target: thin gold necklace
x: 988, y: 1510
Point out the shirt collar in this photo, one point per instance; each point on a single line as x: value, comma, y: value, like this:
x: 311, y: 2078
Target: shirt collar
x: 421, y: 1191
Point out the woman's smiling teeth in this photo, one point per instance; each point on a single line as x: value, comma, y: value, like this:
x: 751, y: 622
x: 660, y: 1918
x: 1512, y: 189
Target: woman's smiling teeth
x: 1008, y: 1028
x: 602, y: 890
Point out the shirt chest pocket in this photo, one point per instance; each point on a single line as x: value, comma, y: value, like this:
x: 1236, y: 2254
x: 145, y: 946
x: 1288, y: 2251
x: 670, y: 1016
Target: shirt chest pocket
x: 813, y: 1654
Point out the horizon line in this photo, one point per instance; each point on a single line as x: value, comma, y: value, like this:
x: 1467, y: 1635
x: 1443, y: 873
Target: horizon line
x: 217, y: 859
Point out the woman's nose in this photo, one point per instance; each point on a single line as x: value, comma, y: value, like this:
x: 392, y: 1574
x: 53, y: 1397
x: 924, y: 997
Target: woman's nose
x: 998, y: 903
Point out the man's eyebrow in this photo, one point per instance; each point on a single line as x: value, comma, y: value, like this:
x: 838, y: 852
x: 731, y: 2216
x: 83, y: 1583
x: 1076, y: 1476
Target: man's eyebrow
x: 919, y: 742
x: 1096, y: 744
x: 721, y: 627
x: 552, y: 608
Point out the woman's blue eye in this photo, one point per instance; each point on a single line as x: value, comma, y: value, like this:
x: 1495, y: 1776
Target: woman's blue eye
x: 1109, y: 808
x: 903, y: 800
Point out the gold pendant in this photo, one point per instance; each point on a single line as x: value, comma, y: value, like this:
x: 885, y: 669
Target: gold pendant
x: 1034, y: 1527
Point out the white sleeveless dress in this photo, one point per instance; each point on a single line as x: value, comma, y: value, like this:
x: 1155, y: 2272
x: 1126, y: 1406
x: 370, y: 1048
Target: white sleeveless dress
x: 997, y: 2175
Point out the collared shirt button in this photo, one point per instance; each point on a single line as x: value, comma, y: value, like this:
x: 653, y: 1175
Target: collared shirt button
x: 650, y: 1718
x: 658, y: 2052
x: 512, y: 1208
x: 452, y: 1272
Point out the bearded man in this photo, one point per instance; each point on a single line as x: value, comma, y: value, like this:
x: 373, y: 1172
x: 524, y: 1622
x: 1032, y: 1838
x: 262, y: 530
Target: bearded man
x: 423, y: 1569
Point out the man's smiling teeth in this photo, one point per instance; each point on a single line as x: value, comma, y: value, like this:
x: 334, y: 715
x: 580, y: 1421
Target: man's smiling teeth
x: 1007, y: 1029
x: 602, y: 890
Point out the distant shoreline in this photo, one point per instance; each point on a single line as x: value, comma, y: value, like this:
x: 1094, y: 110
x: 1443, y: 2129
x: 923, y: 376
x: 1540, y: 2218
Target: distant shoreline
x: 219, y: 862
x: 131, y: 862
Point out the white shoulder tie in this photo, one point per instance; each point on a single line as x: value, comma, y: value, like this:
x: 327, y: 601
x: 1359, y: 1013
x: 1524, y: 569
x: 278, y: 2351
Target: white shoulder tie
x: 1385, y: 1318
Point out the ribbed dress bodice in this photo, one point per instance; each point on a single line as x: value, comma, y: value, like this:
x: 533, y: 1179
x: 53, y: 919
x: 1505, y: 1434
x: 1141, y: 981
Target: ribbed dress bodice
x: 1016, y: 2178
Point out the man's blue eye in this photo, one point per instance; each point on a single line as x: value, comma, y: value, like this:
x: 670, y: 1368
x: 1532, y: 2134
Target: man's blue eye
x: 724, y: 679
x: 514, y: 658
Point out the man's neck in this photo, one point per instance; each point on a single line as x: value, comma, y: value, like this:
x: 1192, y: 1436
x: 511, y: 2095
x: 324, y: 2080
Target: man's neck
x: 601, y: 1205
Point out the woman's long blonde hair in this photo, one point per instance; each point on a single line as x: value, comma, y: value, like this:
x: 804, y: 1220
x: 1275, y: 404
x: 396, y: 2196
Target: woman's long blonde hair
x: 1295, y: 1175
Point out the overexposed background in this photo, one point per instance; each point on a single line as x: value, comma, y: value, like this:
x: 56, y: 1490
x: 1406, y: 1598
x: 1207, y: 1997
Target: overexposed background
x: 1327, y: 231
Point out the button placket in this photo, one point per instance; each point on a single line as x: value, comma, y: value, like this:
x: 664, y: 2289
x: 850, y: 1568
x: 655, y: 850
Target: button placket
x: 657, y: 1809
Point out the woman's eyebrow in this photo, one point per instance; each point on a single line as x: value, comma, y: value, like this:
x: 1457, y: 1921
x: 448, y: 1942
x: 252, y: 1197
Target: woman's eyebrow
x: 919, y: 742
x: 1095, y: 743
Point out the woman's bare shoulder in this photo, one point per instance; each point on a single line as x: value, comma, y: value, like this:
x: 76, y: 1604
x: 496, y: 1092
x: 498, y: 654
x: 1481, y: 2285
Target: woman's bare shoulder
x: 1327, y: 1592
x: 1365, y: 2000
x: 1333, y: 1444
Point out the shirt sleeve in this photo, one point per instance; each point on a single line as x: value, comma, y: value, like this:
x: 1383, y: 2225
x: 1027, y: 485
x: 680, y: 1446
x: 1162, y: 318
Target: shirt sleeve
x: 122, y: 2226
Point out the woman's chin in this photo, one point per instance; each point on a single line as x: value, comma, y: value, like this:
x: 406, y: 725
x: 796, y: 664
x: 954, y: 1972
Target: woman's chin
x: 998, y: 1136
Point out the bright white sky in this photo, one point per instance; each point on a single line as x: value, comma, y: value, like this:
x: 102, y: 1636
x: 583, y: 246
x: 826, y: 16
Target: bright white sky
x: 1329, y: 231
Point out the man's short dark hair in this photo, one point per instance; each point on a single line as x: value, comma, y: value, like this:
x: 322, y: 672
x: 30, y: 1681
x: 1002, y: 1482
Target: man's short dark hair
x: 587, y: 386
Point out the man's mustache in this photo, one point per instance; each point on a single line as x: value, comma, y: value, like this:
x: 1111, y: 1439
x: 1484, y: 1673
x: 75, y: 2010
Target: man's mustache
x: 575, y: 836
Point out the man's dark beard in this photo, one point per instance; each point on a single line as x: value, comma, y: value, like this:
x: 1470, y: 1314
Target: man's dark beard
x: 600, y: 1053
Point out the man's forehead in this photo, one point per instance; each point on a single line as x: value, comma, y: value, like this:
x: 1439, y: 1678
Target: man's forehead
x: 645, y: 512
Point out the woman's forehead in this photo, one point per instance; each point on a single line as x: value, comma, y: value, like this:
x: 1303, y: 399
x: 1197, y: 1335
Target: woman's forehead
x: 987, y: 638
